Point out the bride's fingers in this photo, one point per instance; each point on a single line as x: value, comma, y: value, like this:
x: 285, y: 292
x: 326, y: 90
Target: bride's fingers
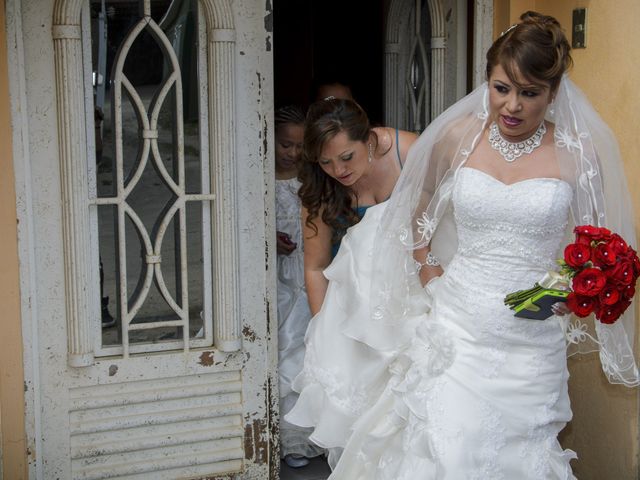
x: 560, y: 308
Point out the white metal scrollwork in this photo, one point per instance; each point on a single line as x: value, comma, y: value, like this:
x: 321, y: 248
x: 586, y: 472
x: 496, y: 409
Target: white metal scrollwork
x: 152, y: 246
x: 80, y: 257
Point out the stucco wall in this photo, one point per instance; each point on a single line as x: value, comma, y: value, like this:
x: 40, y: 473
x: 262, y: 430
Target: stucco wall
x: 12, y: 431
x: 604, y: 431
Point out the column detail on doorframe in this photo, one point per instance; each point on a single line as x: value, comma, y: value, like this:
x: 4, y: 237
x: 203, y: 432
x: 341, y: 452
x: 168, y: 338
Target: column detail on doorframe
x: 221, y: 71
x: 483, y: 38
x: 72, y: 141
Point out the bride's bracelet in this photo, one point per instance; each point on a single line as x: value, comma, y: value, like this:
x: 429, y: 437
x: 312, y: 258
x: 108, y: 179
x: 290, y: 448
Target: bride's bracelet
x: 431, y: 261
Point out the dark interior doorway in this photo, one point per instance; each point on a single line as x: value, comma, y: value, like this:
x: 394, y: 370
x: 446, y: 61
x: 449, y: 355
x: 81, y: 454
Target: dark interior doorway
x: 338, y: 39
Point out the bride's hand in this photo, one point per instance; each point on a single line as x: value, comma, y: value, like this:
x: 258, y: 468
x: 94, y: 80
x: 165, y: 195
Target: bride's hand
x: 560, y: 309
x: 428, y: 273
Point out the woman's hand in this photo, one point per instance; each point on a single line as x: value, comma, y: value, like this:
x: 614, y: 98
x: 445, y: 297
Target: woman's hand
x: 428, y: 273
x: 560, y: 309
x: 284, y: 244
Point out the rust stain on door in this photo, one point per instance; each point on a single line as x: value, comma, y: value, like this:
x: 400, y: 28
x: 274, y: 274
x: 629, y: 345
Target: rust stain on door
x: 256, y: 444
x: 206, y: 359
x: 248, y: 333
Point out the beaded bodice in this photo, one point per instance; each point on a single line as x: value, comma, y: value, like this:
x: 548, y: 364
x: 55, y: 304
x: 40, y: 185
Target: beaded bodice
x: 508, y: 234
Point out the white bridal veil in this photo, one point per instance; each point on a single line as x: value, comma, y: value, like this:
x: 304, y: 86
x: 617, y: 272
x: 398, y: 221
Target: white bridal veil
x: 419, y: 214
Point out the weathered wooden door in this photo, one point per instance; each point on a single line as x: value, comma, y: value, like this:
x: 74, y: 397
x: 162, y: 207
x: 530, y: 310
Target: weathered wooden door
x: 145, y: 188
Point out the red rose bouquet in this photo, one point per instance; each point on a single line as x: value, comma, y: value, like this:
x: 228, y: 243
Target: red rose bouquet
x: 597, y: 275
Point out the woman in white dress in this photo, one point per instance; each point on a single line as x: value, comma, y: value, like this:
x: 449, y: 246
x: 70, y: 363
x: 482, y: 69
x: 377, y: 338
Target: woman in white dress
x: 293, y: 308
x: 491, y: 189
x: 349, y: 168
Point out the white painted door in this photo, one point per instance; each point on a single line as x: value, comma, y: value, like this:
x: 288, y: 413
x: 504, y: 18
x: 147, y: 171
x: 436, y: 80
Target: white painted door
x: 145, y: 190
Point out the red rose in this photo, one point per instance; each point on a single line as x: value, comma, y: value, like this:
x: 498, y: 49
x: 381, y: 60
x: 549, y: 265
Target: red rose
x: 609, y: 295
x: 586, y: 233
x: 610, y: 313
x: 622, y: 273
x: 580, y: 305
x: 603, y: 255
x: 603, y: 234
x: 617, y: 244
x: 586, y: 230
x: 632, y: 256
x: 589, y: 282
x: 628, y: 291
x: 577, y: 254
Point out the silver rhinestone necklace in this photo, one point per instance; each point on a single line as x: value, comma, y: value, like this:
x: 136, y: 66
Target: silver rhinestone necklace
x: 511, y: 151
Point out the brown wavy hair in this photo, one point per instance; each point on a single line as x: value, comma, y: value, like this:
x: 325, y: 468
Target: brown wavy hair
x: 320, y: 194
x: 536, y: 46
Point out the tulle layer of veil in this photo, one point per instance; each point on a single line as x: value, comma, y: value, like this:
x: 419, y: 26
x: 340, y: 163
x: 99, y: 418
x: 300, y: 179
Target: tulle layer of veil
x: 419, y: 214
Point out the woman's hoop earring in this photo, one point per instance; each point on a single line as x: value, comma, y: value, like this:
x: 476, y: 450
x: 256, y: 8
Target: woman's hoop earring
x: 370, y: 155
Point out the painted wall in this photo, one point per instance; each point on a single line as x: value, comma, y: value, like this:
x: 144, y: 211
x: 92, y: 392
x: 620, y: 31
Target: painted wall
x: 604, y: 431
x: 12, y: 432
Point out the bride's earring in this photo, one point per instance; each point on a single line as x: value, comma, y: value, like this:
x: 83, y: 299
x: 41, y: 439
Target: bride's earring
x: 551, y: 108
x: 370, y: 155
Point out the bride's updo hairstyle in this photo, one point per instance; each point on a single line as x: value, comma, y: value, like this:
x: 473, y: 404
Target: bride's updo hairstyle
x: 536, y: 46
x: 320, y: 194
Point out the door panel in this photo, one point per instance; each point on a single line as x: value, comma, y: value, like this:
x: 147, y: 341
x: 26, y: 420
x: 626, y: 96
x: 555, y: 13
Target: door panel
x: 182, y: 405
x: 180, y: 424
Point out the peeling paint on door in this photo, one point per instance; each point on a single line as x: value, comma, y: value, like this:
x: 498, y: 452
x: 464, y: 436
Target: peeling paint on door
x: 248, y: 333
x: 206, y: 359
x: 256, y: 444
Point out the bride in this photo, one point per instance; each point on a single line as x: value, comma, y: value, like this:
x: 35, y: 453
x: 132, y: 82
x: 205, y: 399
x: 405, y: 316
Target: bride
x: 420, y: 374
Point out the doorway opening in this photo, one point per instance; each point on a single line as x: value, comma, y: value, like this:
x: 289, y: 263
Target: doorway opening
x: 330, y: 39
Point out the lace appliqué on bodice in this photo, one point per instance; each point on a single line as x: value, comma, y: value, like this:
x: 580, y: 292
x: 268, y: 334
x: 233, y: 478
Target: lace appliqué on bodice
x: 508, y: 234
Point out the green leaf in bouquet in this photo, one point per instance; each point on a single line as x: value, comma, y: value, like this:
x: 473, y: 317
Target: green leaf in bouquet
x: 515, y: 298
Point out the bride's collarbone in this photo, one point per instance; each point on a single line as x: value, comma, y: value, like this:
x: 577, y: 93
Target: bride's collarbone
x: 540, y: 163
x: 522, y: 169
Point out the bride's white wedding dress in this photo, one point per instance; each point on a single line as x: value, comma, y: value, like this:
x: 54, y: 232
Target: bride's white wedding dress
x: 471, y: 392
